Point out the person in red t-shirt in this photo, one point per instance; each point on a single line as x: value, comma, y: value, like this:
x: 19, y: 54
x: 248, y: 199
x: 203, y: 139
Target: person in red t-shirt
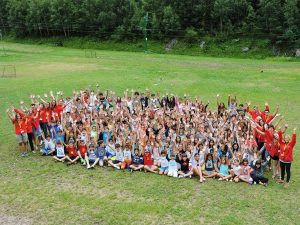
x: 82, y: 152
x: 43, y: 119
x: 72, y: 153
x: 20, y: 130
x: 287, y: 145
x: 148, y: 162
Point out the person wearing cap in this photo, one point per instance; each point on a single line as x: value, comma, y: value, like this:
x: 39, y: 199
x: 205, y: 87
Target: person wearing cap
x: 148, y: 162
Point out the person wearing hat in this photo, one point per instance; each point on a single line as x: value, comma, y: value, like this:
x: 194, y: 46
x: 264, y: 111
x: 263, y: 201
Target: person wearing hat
x: 148, y: 162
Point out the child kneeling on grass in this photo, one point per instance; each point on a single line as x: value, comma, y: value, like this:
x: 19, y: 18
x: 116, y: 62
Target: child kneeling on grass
x: 116, y: 163
x: 164, y: 163
x: 136, y: 161
x: 60, y: 152
x: 173, y: 169
x: 91, y: 158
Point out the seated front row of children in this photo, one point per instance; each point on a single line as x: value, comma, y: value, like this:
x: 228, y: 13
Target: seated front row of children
x: 113, y: 155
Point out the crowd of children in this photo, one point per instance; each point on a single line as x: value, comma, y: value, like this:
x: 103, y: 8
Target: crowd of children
x: 166, y: 135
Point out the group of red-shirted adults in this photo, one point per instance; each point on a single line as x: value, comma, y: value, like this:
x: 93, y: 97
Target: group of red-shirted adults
x: 182, y: 136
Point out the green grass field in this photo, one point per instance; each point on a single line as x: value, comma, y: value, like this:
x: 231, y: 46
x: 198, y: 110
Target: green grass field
x: 36, y: 190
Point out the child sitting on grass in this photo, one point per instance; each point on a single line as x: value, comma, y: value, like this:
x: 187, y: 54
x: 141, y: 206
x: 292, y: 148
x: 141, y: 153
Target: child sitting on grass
x: 173, y: 169
x: 244, y: 174
x: 148, y: 162
x: 136, y: 161
x: 91, y: 158
x: 82, y: 150
x: 49, y: 146
x: 210, y: 166
x: 257, y: 173
x: 60, y: 152
x: 116, y: 163
x: 164, y: 163
x: 224, y: 169
x: 101, y: 153
x: 72, y: 154
x: 184, y: 167
x: 127, y: 157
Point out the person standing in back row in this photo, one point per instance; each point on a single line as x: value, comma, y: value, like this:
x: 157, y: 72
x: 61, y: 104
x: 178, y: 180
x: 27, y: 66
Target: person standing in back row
x: 287, y: 145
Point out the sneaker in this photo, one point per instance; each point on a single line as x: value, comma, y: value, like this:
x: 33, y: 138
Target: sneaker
x: 23, y: 154
x: 180, y: 176
x: 220, y: 178
x: 88, y: 167
x: 227, y: 180
x: 265, y: 184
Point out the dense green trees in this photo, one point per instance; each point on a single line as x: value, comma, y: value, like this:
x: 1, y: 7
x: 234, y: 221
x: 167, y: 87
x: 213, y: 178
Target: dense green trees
x: 278, y: 20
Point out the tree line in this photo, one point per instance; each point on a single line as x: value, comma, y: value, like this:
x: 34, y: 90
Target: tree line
x: 277, y: 20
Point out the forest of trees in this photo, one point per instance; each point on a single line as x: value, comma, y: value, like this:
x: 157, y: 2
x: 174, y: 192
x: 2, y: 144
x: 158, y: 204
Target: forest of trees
x: 276, y: 20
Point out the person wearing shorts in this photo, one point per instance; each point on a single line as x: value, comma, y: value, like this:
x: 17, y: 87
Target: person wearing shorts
x: 20, y: 131
x: 164, y: 163
x: 49, y: 146
x: 116, y: 163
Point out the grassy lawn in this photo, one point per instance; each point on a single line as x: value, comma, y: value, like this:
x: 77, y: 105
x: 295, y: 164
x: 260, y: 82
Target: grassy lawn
x: 36, y: 190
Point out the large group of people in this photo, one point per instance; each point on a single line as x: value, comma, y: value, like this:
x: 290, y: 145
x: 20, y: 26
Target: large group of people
x: 167, y: 135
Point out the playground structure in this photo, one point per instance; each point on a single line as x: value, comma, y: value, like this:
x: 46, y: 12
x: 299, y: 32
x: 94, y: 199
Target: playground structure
x: 8, y: 71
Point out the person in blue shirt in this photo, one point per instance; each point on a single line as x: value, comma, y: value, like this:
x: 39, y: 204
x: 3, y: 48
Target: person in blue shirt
x: 60, y: 136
